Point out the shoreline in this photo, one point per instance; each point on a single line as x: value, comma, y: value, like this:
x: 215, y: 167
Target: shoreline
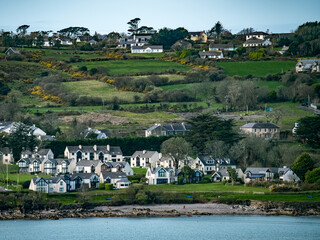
x: 169, y: 210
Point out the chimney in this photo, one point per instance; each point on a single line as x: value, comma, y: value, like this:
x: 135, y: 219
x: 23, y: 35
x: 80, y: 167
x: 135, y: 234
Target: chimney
x: 144, y: 151
x: 80, y: 146
x: 95, y: 148
x: 108, y: 148
x: 36, y: 149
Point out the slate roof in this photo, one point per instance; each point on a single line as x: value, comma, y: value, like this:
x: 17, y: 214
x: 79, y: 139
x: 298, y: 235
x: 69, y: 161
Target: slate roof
x: 258, y: 33
x: 60, y: 160
x: 113, y: 175
x: 145, y: 47
x: 143, y: 154
x: 5, y: 150
x: 215, y: 161
x: 113, y: 149
x: 222, y: 173
x: 48, y: 179
x: 54, y: 161
x: 257, y: 170
x: 114, y: 164
x: 27, y: 160
x: 155, y: 170
x: 84, y: 175
x: 307, y: 63
x: 4, y: 125
x: 13, y: 50
x: 259, y: 125
x: 44, y: 151
x: 254, y: 41
x: 88, y: 163
x: 210, y: 53
x: 195, y: 33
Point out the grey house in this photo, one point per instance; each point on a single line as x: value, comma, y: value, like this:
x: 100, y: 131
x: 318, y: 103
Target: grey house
x: 167, y: 129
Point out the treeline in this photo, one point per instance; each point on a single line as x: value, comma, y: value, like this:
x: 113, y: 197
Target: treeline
x: 306, y: 41
x: 128, y: 145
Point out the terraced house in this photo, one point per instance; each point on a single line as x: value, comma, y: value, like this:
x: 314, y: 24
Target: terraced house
x: 260, y: 129
x: 144, y: 158
x: 101, y: 153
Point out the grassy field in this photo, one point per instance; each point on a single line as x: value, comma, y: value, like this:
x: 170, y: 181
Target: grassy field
x: 256, y: 68
x: 95, y: 88
x: 171, y: 77
x: 272, y: 85
x: 139, y: 170
x: 124, y: 67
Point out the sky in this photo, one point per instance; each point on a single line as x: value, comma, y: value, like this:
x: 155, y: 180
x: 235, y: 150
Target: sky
x: 104, y: 16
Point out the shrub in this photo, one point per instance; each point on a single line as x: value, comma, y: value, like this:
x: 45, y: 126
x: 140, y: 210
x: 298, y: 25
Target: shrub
x: 116, y: 200
x: 141, y: 198
x: 134, y: 181
x: 101, y: 186
x: 93, y: 71
x: 284, y: 188
x: 108, y: 186
x: 313, y: 176
x: 26, y: 185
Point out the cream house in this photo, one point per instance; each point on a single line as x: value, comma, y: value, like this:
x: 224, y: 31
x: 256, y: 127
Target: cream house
x: 198, y: 36
x: 260, y: 129
x: 144, y: 158
x: 88, y: 166
x: 48, y: 185
x: 6, y: 157
x: 102, y: 153
x: 116, y: 167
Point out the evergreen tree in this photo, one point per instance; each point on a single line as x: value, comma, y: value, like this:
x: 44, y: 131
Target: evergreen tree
x: 302, y: 165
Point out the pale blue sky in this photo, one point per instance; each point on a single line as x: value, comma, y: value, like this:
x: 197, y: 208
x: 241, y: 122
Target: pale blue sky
x: 105, y: 16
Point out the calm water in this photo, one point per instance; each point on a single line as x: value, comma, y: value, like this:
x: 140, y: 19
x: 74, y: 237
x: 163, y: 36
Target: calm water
x: 181, y: 228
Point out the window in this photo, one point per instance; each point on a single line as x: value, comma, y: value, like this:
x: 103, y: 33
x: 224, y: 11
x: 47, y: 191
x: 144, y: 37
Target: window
x: 161, y: 173
x: 61, y: 183
x: 61, y: 189
x: 91, y: 156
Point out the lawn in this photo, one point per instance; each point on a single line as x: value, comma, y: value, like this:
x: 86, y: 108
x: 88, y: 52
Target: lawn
x: 95, y: 88
x: 139, y: 170
x: 272, y: 85
x: 256, y: 68
x: 127, y: 67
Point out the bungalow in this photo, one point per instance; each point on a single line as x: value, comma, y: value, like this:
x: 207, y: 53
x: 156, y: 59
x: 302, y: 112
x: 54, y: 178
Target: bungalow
x: 65, y: 41
x: 102, y: 153
x: 48, y: 185
x: 88, y: 166
x: 198, y: 36
x: 91, y: 179
x: 117, y: 167
x: 222, y: 47
x: 118, y: 179
x: 144, y: 158
x: 11, y: 51
x: 267, y: 174
x: 255, y: 42
x: 167, y: 129
x: 147, y: 49
x: 160, y: 175
x: 308, y: 65
x: 258, y: 35
x: 265, y: 130
x: 6, y: 156
x: 209, y: 165
x: 221, y: 175
x: 9, y: 127
x: 101, y: 134
x: 92, y: 42
x: 211, y: 54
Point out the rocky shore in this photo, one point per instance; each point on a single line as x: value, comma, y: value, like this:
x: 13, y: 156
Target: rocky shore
x: 170, y: 210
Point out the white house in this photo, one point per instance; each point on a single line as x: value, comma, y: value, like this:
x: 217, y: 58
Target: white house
x: 117, y: 167
x: 160, y: 175
x: 222, y: 47
x: 9, y: 127
x: 254, y: 42
x: 211, y: 54
x: 48, y: 185
x: 102, y: 153
x: 49, y: 166
x: 118, y: 179
x: 221, y: 175
x: 267, y: 174
x: 258, y: 35
x: 209, y: 165
x: 91, y: 179
x: 88, y: 166
x: 63, y: 166
x: 134, y: 40
x: 308, y: 65
x: 147, y: 49
x: 6, y: 156
x: 144, y: 158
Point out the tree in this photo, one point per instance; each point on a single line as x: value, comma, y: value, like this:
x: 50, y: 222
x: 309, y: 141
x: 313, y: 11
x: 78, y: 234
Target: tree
x: 113, y: 38
x: 22, y: 29
x: 308, y: 130
x: 217, y: 29
x: 73, y: 32
x: 302, y: 165
x: 217, y: 149
x: 188, y: 173
x: 206, y: 128
x: 133, y: 25
x: 313, y: 176
x: 246, y: 31
x: 177, y: 149
x: 233, y: 174
x: 167, y: 37
x: 21, y: 139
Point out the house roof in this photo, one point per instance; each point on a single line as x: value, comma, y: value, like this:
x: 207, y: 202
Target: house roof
x: 60, y: 160
x: 54, y: 161
x: 84, y: 175
x: 15, y: 51
x: 5, y: 150
x: 48, y: 179
x: 259, y: 125
x: 44, y: 151
x: 195, y: 33
x: 113, y: 149
x: 222, y: 173
x: 147, y: 46
x: 88, y: 163
x: 155, y: 170
x: 254, y: 41
x: 4, y: 125
x: 113, y: 175
x: 143, y: 154
x: 210, y: 53
x: 215, y: 161
x: 27, y: 160
x: 114, y: 164
x: 212, y: 45
x: 304, y: 62
x: 258, y: 33
x: 257, y: 170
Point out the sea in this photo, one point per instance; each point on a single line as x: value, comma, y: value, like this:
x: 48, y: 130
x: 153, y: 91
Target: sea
x: 176, y: 228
